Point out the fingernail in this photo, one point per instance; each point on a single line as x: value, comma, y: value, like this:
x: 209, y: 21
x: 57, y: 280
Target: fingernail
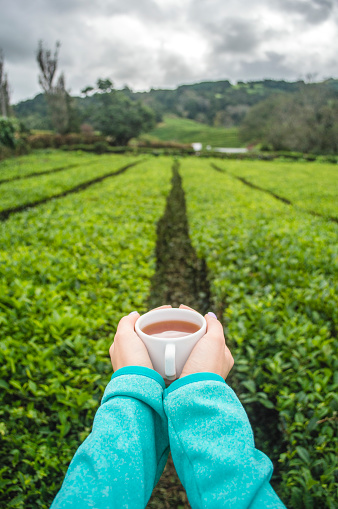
x: 212, y: 314
x: 133, y: 312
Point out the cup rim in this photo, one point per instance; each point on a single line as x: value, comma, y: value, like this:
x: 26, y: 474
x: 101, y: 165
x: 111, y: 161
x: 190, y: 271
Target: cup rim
x: 188, y: 312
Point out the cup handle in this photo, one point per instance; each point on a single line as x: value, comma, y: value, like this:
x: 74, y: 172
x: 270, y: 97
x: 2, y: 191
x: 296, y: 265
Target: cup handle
x: 169, y: 362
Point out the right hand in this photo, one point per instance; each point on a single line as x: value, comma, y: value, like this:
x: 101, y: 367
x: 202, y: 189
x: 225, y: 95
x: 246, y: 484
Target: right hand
x: 210, y: 353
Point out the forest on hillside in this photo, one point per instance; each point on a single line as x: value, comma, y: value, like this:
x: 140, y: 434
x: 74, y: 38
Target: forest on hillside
x: 217, y: 103
x: 279, y: 115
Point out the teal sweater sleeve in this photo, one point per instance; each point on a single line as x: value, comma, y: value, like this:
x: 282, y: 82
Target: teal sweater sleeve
x: 120, y: 462
x: 213, y: 448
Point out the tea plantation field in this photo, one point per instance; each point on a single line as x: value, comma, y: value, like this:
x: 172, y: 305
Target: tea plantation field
x: 309, y: 186
x: 71, y: 267
x: 274, y: 275
x: 69, y: 270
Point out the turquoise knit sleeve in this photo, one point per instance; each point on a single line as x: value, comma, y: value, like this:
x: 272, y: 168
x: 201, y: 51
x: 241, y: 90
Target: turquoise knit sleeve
x: 213, y: 448
x: 120, y: 462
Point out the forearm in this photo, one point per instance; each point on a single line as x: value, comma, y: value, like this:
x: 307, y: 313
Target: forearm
x: 122, y: 459
x: 213, y: 448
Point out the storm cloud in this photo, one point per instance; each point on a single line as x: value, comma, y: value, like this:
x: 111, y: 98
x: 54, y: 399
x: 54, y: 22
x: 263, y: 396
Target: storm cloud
x: 312, y: 11
x: 164, y: 43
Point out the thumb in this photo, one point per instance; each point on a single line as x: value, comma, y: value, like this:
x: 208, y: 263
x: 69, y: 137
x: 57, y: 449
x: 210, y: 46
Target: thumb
x: 127, y: 323
x: 214, y: 327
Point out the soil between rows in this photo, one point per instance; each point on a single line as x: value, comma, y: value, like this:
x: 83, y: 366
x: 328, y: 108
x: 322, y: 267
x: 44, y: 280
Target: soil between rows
x: 181, y: 278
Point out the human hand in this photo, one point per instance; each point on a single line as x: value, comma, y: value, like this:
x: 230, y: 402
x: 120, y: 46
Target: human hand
x: 128, y: 349
x: 210, y: 353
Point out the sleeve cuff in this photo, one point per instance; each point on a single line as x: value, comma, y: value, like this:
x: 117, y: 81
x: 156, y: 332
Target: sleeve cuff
x: 189, y: 379
x: 140, y: 370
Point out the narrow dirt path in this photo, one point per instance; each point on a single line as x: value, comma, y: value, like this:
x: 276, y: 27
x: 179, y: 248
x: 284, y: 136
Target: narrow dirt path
x: 180, y: 278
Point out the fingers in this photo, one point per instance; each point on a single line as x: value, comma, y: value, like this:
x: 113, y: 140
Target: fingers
x: 183, y: 306
x: 162, y: 307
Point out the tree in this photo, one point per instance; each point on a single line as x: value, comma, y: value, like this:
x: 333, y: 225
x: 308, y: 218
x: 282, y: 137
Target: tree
x: 8, y: 129
x: 4, y: 89
x: 105, y: 86
x: 48, y: 65
x: 306, y: 121
x: 119, y: 117
x: 85, y: 91
x: 58, y: 99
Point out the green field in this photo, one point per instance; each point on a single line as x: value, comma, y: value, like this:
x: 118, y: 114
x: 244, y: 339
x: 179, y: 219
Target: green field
x: 72, y: 267
x: 274, y: 273
x: 42, y: 161
x: 183, y: 130
x: 24, y: 191
x: 309, y: 186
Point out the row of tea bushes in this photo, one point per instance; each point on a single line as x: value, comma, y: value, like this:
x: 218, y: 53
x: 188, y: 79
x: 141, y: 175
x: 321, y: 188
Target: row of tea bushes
x: 308, y: 186
x: 40, y: 161
x: 69, y: 270
x: 21, y: 192
x: 274, y: 273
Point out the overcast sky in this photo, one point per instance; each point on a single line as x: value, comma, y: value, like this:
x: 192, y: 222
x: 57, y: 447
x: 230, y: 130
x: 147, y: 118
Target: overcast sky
x: 165, y: 43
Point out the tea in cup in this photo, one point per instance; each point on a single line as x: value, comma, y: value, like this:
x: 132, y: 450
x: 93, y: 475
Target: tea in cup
x: 170, y: 334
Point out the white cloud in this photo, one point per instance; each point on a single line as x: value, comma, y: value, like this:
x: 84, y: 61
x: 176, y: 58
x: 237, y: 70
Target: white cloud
x: 164, y: 43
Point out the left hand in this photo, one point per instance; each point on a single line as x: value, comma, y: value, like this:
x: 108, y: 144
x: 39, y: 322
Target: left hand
x: 128, y: 349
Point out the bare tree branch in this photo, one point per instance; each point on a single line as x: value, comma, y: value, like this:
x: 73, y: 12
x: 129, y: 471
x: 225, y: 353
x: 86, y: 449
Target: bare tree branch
x: 48, y: 65
x: 55, y: 93
x: 4, y: 88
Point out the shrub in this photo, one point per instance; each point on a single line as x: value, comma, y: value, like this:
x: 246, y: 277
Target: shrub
x: 22, y: 147
x: 87, y: 130
x: 100, y: 147
x: 5, y: 152
x: 41, y: 140
x: 8, y: 129
x: 50, y: 140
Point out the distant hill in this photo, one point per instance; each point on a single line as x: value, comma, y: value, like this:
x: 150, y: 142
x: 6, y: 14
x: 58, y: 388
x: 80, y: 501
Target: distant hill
x: 216, y: 103
x: 184, y: 130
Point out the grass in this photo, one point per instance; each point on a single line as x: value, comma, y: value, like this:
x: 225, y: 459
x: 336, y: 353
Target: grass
x: 183, y: 130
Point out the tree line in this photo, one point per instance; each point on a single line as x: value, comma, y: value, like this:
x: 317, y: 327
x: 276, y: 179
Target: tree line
x: 306, y: 121
x: 110, y: 111
x: 275, y: 114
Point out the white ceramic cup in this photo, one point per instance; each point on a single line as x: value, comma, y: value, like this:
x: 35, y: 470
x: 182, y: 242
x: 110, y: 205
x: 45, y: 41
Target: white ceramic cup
x: 169, y: 355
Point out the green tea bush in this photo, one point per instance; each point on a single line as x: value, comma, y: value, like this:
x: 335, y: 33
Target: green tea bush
x: 25, y: 191
x: 41, y: 161
x: 308, y: 186
x: 274, y: 275
x: 69, y: 271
